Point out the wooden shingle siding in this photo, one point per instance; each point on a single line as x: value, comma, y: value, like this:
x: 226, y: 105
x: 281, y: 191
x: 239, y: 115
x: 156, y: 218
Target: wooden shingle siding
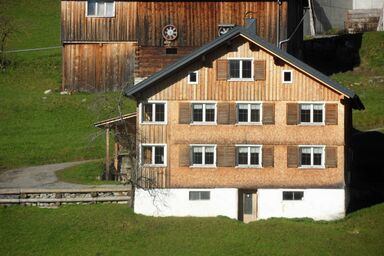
x: 292, y: 113
x: 331, y: 114
x: 331, y: 157
x: 226, y: 156
x: 221, y: 70
x: 185, y: 113
x: 268, y: 113
x: 268, y: 156
x: 292, y: 156
x: 184, y: 156
x: 259, y: 69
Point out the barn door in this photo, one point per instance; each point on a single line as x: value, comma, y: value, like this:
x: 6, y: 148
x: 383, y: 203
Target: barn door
x: 248, y: 205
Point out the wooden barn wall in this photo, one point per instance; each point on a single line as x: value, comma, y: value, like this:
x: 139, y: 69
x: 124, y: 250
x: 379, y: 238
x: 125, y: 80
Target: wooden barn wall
x: 97, y: 66
x: 75, y: 26
x: 302, y: 88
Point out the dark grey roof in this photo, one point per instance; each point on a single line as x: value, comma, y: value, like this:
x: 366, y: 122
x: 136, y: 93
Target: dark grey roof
x: 219, y: 41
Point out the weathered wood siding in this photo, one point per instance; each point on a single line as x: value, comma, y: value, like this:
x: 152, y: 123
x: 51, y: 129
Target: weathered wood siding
x: 276, y: 137
x: 98, y: 66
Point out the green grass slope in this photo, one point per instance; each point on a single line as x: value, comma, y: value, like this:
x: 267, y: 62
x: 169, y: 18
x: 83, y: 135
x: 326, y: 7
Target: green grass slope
x: 114, y: 230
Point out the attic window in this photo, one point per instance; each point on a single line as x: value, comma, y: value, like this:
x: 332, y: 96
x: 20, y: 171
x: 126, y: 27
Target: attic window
x: 193, y: 77
x: 100, y: 8
x: 171, y: 51
x: 224, y: 28
x: 287, y: 76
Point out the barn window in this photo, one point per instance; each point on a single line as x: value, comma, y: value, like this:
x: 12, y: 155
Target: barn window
x: 240, y: 69
x: 203, y: 113
x: 312, y: 156
x: 203, y: 155
x: 199, y: 195
x: 100, y: 8
x: 248, y: 113
x: 293, y: 195
x: 153, y: 155
x: 153, y: 112
x: 193, y: 77
x: 248, y: 155
x: 312, y: 113
x: 287, y: 76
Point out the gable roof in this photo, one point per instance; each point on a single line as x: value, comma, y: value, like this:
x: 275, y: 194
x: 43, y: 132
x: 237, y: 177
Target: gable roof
x: 246, y: 33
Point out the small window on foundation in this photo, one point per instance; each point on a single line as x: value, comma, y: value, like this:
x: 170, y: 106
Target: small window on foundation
x: 171, y: 51
x: 193, y: 77
x: 287, y: 76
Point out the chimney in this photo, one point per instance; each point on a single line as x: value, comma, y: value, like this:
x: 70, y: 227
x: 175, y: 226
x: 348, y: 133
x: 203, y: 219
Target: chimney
x: 250, y: 25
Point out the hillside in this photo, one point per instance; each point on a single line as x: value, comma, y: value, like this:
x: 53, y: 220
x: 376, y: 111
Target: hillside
x: 37, y: 128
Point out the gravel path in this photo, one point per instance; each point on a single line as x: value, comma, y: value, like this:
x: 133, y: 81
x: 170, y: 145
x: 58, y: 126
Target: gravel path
x: 39, y: 177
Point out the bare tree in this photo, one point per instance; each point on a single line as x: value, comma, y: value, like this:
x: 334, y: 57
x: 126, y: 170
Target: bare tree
x: 7, y: 28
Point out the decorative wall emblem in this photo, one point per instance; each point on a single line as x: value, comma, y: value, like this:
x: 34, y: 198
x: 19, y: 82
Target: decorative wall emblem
x: 169, y: 32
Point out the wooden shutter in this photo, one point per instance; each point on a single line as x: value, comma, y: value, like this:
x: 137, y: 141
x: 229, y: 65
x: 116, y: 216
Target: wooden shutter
x: 221, y: 70
x: 331, y: 157
x: 226, y: 156
x: 292, y: 113
x: 259, y: 70
x: 331, y: 114
x: 232, y: 113
x: 268, y: 113
x: 268, y: 156
x: 184, y: 113
x: 223, y: 113
x: 184, y: 156
x: 292, y: 156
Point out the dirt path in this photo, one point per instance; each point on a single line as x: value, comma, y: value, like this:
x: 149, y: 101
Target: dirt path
x: 38, y: 177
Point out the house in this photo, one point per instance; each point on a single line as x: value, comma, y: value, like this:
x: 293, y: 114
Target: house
x: 108, y: 44
x: 241, y: 129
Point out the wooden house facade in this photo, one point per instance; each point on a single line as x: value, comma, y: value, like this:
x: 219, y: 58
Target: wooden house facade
x: 240, y: 128
x: 108, y: 44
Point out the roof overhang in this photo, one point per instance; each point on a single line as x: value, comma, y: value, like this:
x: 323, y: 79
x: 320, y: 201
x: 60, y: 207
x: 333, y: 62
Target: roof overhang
x: 115, y: 120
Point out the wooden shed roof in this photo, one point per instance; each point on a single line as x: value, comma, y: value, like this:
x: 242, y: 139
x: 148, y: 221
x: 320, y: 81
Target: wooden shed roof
x: 251, y: 36
x: 114, y: 120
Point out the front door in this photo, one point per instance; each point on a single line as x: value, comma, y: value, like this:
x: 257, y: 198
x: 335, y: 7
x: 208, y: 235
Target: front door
x: 248, y: 205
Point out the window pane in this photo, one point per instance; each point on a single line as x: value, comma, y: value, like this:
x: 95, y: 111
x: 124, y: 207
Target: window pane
x: 91, y: 7
x: 197, y: 155
x: 147, y: 155
x: 255, y: 115
x: 147, y: 112
x: 248, y: 203
x: 287, y: 76
x: 159, y: 155
x: 305, y: 113
x: 192, y: 77
x: 298, y: 195
x: 317, y: 155
x: 210, y: 112
x: 160, y: 112
x: 247, y: 69
x: 109, y: 11
x: 318, y: 113
x: 242, y: 110
x: 242, y: 156
x: 100, y: 8
x: 197, y: 112
x: 205, y: 195
x: 287, y: 195
x: 254, y: 158
x: 209, y: 155
x: 305, y: 156
x: 194, y: 195
x: 234, y: 69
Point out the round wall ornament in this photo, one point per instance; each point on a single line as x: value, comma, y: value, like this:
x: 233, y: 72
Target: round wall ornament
x: 169, y: 32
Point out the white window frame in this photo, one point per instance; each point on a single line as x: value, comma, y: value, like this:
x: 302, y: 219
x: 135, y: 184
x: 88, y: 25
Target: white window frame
x: 294, y: 191
x: 199, y: 191
x: 322, y: 166
x: 203, y: 165
x: 153, y: 145
x: 283, y: 77
x: 204, y: 103
x: 241, y: 70
x: 249, y: 113
x: 100, y: 16
x: 197, y: 77
x: 249, y: 156
x: 153, y: 102
x: 311, y: 113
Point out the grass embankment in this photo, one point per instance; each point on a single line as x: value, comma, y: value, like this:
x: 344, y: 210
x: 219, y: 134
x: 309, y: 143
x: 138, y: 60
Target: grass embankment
x: 87, y: 174
x: 367, y: 81
x: 115, y: 230
x: 36, y: 128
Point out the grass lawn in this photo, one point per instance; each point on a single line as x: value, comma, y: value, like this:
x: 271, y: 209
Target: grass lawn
x: 114, y: 230
x: 84, y: 174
